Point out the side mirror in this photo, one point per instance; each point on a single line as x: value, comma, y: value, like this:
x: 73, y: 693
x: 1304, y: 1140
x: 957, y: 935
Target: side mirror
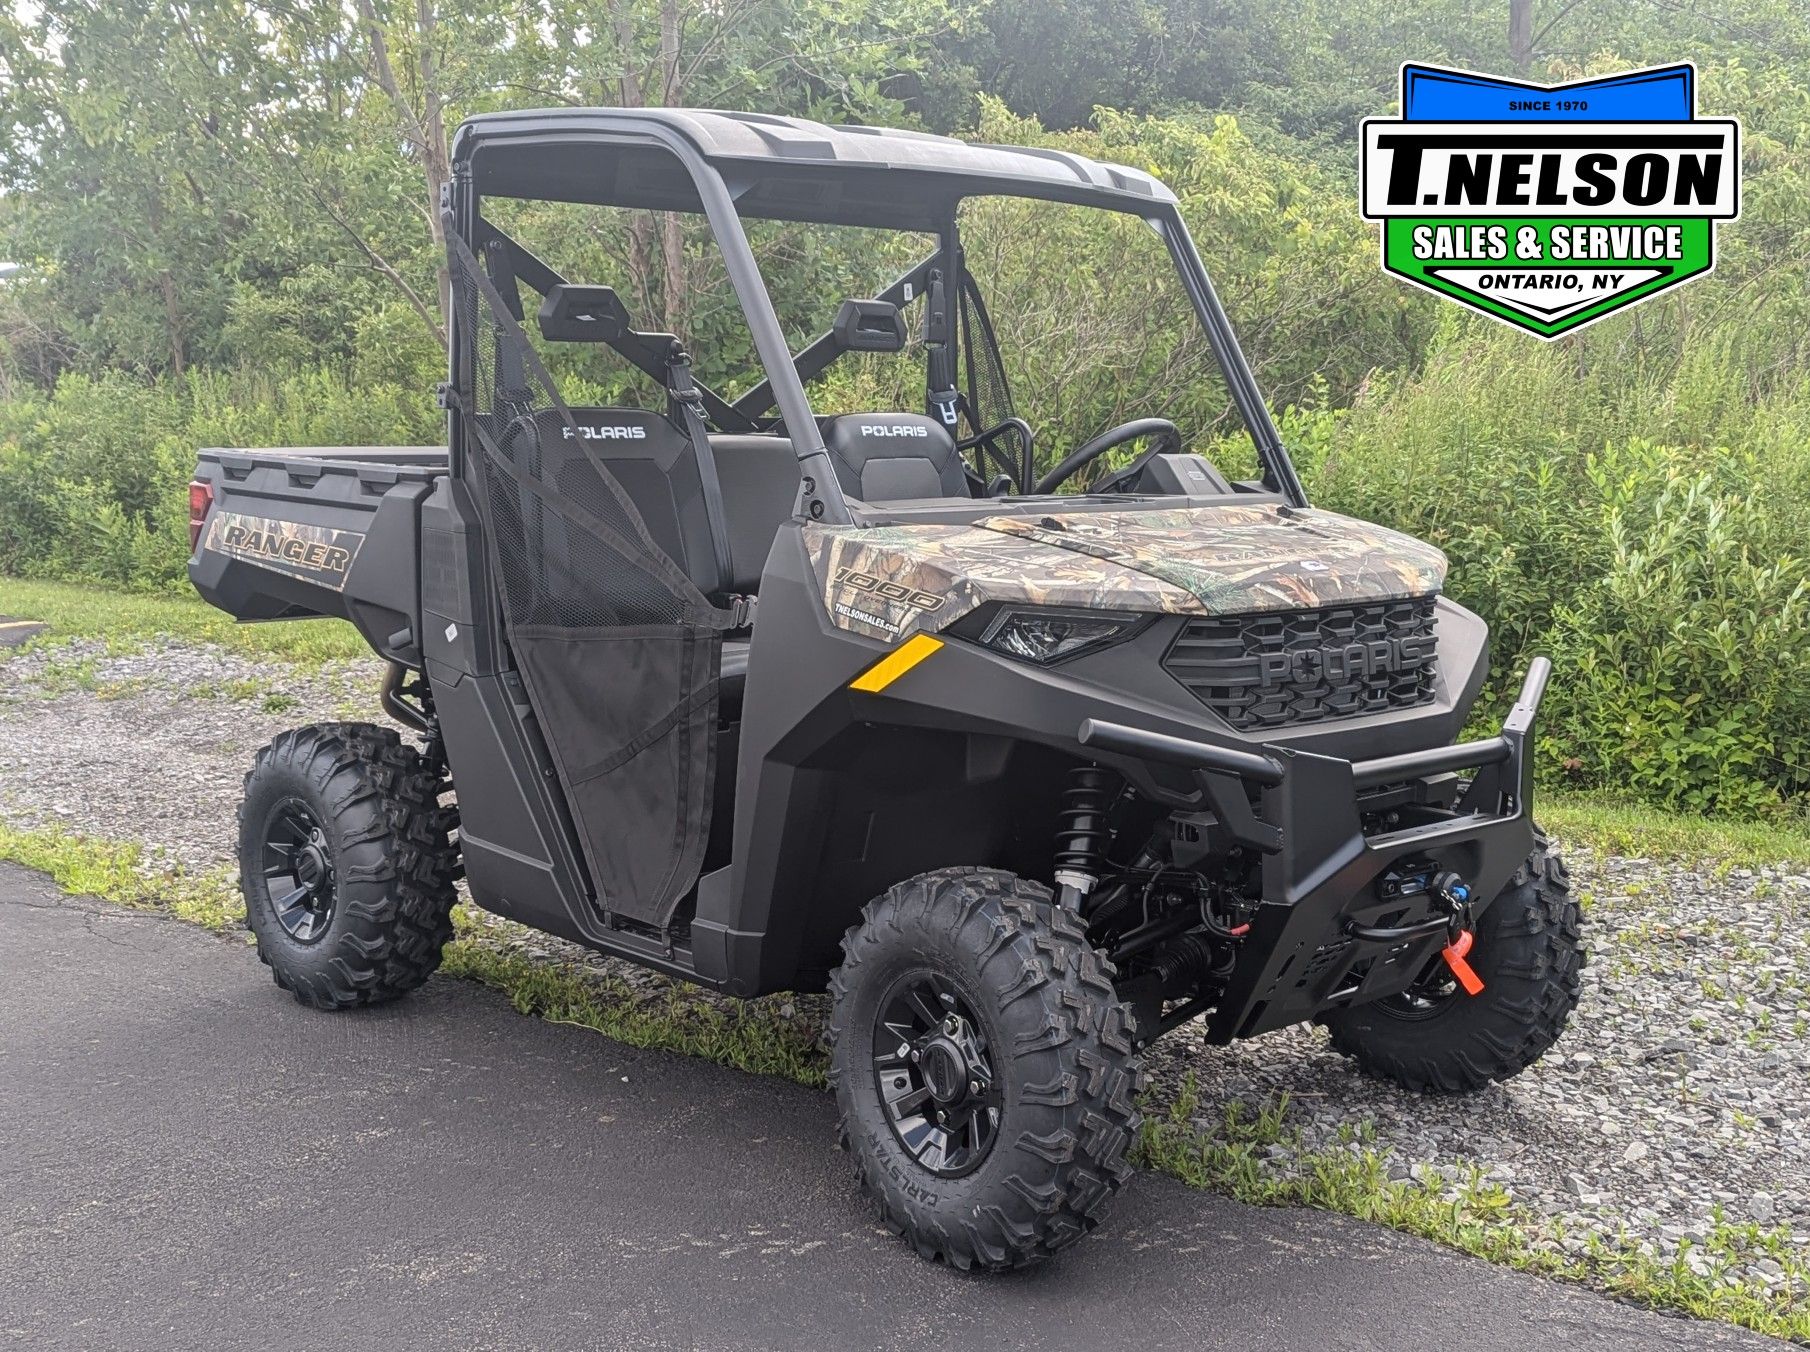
x: 869, y: 326
x: 575, y: 313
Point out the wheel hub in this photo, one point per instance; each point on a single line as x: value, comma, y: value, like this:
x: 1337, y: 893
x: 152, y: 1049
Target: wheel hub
x: 309, y: 866
x: 934, y: 1070
x: 945, y: 1071
x: 298, y: 870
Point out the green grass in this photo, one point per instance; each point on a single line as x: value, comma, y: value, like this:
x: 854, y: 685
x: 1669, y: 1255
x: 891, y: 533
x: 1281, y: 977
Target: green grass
x: 1231, y: 1157
x: 752, y: 1035
x: 126, y: 620
x: 126, y: 874
x: 1613, y: 826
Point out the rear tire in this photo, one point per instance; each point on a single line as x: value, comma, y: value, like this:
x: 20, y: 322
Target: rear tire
x: 1032, y: 1005
x: 1529, y: 952
x: 345, y: 864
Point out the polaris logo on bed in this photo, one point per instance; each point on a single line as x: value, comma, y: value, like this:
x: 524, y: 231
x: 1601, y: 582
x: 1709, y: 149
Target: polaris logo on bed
x: 894, y: 430
x: 1354, y: 661
x: 609, y: 432
x: 318, y: 554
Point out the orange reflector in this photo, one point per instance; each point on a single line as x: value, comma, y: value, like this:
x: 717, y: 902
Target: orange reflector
x: 896, y: 663
x: 1453, y: 954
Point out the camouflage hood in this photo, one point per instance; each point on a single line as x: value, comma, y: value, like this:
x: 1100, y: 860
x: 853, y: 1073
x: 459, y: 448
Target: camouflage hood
x: 1230, y: 559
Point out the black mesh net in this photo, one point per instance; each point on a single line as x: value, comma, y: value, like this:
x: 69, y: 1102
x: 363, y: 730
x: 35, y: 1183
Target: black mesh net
x: 617, y: 647
x: 988, y: 397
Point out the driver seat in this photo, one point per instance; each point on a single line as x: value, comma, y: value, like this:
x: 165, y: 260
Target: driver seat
x: 894, y: 457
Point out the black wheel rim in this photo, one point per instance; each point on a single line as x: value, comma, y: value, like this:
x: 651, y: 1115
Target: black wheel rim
x: 1432, y: 991
x: 298, y: 870
x: 934, y: 1071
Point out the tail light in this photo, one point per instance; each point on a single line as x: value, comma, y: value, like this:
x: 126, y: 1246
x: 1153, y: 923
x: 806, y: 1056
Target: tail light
x: 201, y: 498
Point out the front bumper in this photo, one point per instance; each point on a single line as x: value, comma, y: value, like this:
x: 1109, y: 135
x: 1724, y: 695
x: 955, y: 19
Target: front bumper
x: 1334, y: 927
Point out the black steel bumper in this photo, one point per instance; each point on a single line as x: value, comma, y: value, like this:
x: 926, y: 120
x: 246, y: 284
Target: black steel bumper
x: 1341, y: 921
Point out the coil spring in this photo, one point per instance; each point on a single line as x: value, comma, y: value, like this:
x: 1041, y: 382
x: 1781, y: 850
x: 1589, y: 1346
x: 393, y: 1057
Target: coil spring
x: 1083, y: 834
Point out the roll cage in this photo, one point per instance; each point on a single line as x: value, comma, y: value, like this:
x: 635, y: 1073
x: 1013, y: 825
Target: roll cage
x: 725, y: 166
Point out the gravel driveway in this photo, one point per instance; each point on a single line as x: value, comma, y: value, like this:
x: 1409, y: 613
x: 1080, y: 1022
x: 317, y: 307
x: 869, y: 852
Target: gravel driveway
x: 1680, y: 1094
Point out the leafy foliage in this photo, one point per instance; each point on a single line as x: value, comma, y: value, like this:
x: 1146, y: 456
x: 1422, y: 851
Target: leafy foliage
x: 93, y: 477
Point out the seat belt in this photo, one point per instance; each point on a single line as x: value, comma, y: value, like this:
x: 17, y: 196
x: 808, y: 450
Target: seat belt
x: 939, y: 370
x: 683, y: 394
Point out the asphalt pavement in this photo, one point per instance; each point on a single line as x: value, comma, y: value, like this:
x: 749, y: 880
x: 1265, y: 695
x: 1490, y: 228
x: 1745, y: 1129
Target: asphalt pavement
x: 189, y: 1159
x: 14, y: 631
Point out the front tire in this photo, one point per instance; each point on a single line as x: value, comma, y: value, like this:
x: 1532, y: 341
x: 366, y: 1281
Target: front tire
x: 1529, y: 952
x: 968, y: 994
x: 345, y: 864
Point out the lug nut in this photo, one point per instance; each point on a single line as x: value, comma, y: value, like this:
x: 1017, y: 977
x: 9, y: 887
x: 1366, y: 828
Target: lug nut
x: 974, y: 1086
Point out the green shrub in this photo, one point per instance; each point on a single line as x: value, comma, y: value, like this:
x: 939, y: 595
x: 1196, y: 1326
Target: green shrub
x: 1686, y: 671
x: 1667, y: 579
x: 94, y: 477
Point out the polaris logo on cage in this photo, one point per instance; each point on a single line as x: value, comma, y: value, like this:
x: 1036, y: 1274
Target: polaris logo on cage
x: 1549, y: 206
x: 608, y: 432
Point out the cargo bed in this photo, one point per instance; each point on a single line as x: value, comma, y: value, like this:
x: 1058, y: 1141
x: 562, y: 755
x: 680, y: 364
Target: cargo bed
x: 293, y: 532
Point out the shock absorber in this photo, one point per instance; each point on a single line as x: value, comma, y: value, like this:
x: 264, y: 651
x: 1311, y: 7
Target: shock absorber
x: 1083, y: 834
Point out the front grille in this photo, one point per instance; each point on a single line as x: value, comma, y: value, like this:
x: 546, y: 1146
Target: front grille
x: 1306, y: 666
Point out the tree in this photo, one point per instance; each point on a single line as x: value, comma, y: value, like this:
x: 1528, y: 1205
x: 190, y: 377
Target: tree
x: 858, y: 60
x: 433, y: 61
x: 420, y: 116
x: 1520, y: 33
x: 115, y: 193
x: 158, y: 201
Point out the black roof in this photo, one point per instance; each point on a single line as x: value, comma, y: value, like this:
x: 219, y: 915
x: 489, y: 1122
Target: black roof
x: 777, y: 166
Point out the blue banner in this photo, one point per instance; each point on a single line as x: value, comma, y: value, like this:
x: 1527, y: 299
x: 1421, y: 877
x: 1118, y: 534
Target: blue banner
x: 1664, y: 94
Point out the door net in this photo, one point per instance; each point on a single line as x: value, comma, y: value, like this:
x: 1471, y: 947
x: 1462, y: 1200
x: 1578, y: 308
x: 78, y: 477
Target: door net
x: 989, y: 397
x: 619, y: 650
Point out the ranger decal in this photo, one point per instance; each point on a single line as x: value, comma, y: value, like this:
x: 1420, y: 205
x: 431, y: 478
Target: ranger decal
x: 318, y: 554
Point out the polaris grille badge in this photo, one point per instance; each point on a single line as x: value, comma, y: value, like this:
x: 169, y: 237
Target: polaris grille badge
x: 1379, y: 657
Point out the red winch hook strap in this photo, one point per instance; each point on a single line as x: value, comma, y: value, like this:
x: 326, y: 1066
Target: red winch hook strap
x: 1453, y: 953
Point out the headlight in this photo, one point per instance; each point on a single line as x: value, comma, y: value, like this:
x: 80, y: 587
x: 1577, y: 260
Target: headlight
x: 1046, y: 636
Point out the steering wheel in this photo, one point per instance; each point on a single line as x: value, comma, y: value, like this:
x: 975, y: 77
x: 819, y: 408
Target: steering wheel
x: 1168, y: 438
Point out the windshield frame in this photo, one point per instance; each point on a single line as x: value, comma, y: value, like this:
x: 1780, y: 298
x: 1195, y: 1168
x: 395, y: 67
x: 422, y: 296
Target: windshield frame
x: 821, y: 498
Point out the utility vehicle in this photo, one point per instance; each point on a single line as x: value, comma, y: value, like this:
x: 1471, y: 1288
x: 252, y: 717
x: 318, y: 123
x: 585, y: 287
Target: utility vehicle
x: 770, y: 699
